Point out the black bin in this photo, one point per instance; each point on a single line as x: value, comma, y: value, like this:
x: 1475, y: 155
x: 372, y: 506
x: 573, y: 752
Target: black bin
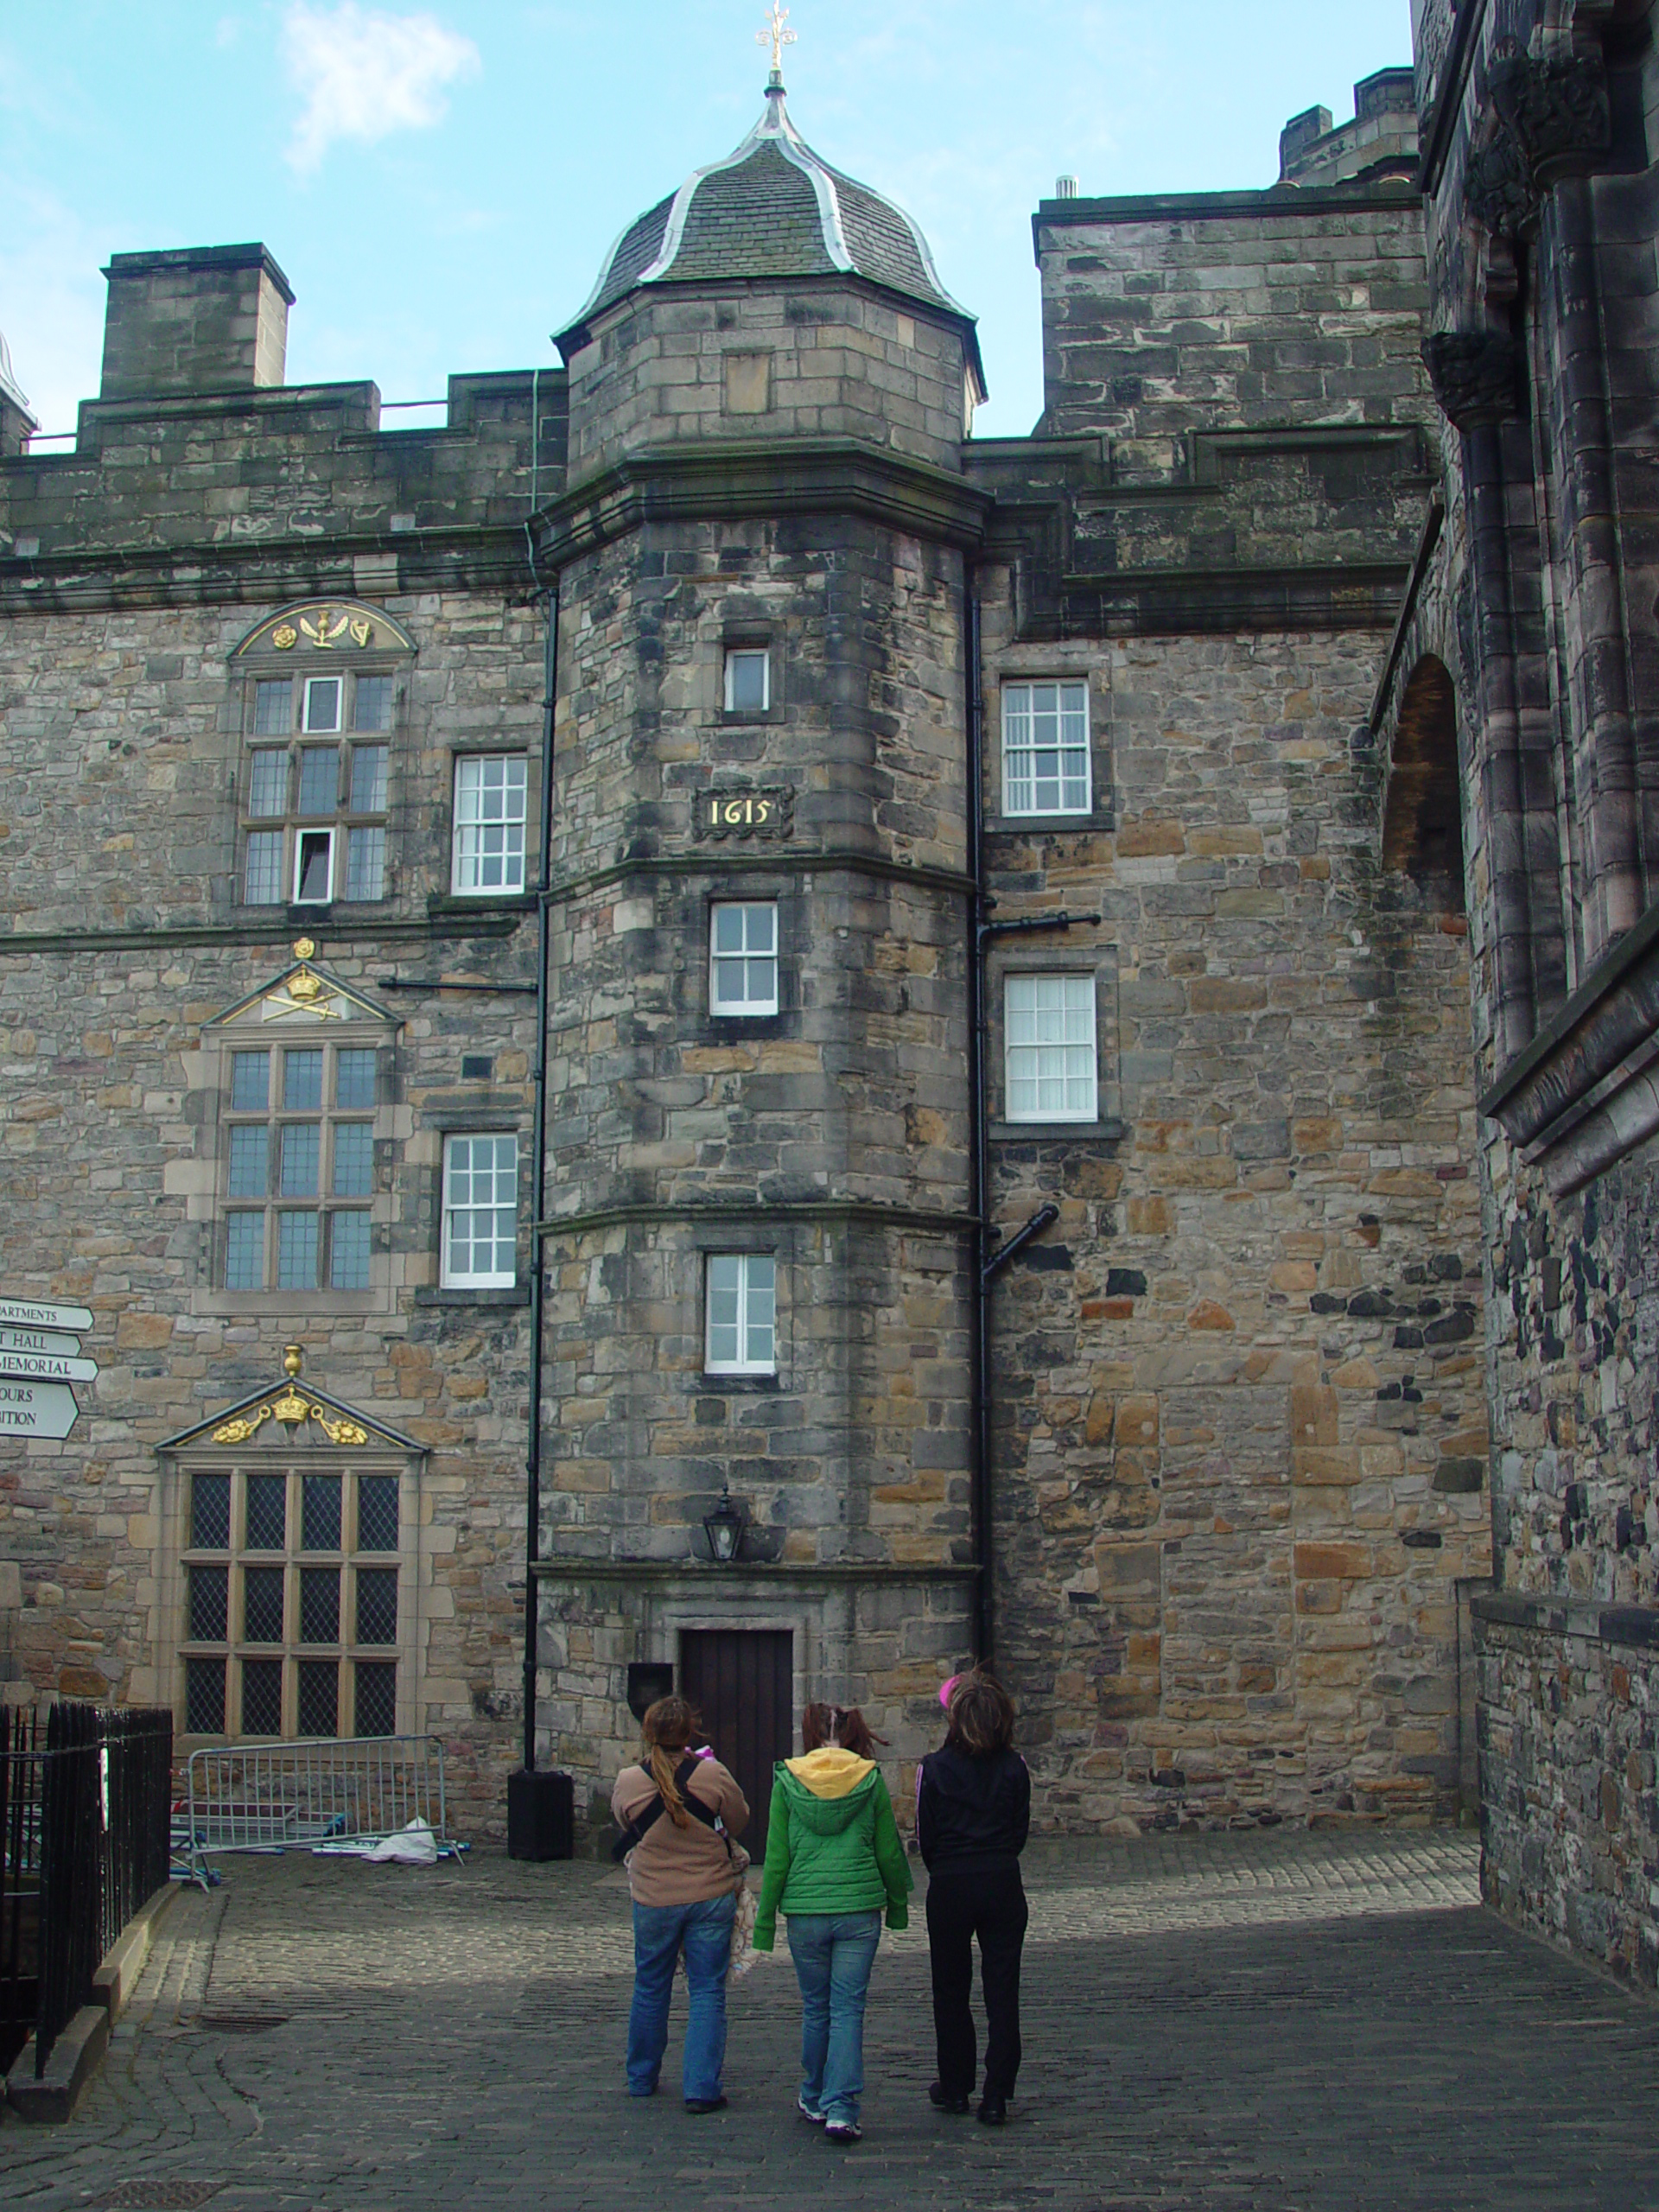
x: 541, y: 1815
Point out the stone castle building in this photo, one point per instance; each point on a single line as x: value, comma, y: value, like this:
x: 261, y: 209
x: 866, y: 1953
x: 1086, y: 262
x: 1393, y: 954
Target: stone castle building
x: 909, y: 991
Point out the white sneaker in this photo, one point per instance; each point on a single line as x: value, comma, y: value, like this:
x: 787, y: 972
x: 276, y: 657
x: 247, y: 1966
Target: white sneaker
x: 807, y: 2113
x: 842, y: 2130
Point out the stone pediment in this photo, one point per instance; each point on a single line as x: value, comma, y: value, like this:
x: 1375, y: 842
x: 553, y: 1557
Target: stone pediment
x: 302, y: 996
x: 337, y: 628
x: 290, y: 1415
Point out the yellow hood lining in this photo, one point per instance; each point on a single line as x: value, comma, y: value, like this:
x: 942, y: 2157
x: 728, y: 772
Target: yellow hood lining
x: 829, y: 1771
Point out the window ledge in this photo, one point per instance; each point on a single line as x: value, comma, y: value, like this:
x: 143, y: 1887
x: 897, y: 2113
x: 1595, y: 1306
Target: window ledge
x: 515, y: 1294
x: 1108, y: 1129
x: 717, y: 1385
x: 1015, y: 825
x: 483, y: 902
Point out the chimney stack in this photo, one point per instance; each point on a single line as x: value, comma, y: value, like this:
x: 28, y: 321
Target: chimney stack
x: 200, y: 318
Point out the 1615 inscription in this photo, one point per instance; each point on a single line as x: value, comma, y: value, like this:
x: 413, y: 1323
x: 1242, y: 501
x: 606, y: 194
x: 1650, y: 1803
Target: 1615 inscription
x: 728, y: 813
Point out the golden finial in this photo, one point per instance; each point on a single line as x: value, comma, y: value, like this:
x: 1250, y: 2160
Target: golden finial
x: 293, y: 1359
x: 777, y: 34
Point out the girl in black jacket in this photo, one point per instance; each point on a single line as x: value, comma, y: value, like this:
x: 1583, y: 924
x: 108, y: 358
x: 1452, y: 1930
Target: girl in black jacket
x: 972, y: 1813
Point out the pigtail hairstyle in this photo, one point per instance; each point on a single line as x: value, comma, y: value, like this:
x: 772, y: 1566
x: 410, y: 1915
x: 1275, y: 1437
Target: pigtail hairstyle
x: 666, y: 1734
x: 845, y: 1727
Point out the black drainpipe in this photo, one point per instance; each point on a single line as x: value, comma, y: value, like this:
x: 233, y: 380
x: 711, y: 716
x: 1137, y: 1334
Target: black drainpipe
x: 979, y: 1376
x: 538, y: 1192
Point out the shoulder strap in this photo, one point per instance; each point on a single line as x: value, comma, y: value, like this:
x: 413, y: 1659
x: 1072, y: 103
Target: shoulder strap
x: 650, y: 1814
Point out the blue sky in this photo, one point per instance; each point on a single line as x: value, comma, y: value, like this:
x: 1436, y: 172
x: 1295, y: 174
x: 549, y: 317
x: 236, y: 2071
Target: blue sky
x: 439, y: 181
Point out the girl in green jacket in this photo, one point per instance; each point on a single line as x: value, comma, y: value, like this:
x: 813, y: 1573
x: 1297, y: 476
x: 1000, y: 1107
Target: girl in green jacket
x: 834, y: 1859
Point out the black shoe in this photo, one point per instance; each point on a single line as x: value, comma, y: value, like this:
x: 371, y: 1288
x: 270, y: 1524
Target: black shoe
x: 994, y: 2110
x: 705, y: 2104
x: 945, y: 2099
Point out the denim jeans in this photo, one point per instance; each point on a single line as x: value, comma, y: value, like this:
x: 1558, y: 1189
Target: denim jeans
x: 660, y: 1931
x: 833, y: 1954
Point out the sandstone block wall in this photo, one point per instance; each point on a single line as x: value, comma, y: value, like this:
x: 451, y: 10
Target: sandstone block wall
x: 1242, y: 1437
x: 828, y: 361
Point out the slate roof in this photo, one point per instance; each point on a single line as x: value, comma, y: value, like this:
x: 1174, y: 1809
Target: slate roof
x: 773, y: 208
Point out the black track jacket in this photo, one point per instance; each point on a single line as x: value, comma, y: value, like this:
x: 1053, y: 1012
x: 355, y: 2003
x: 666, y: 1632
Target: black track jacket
x: 972, y: 1815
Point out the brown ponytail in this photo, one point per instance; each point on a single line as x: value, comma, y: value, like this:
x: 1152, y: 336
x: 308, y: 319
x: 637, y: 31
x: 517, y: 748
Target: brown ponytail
x: 666, y: 1734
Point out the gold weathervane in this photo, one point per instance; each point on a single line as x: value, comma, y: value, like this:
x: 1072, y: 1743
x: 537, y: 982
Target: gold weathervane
x: 777, y: 34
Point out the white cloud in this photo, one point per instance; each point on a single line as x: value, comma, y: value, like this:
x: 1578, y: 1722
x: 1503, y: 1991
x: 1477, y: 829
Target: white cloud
x: 364, y: 74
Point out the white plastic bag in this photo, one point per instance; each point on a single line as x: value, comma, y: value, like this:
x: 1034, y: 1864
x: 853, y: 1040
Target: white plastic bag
x: 414, y: 1845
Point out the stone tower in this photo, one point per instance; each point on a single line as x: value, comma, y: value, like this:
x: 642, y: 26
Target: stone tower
x: 758, y: 1163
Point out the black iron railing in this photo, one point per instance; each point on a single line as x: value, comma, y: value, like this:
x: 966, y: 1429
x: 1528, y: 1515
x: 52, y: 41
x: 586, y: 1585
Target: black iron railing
x: 84, y: 1802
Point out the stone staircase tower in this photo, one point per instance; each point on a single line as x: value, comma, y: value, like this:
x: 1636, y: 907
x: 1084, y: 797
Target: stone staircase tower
x: 758, y: 1157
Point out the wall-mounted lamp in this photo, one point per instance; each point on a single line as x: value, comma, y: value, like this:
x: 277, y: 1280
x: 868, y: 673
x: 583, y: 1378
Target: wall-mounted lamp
x: 724, y: 1529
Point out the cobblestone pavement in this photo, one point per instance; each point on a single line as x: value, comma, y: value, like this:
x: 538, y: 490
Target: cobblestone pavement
x: 1214, y: 2022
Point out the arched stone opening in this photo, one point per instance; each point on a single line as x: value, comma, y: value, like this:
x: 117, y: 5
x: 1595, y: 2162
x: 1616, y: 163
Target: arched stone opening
x: 1422, y: 820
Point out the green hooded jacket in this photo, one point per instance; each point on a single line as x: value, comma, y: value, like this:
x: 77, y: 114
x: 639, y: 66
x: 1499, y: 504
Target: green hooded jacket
x: 832, y: 1844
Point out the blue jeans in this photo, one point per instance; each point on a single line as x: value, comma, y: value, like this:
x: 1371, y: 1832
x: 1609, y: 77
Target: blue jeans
x: 833, y: 1954
x: 660, y: 1931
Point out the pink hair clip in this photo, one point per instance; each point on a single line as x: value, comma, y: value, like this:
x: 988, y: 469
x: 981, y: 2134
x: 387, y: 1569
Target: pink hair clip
x: 945, y: 1688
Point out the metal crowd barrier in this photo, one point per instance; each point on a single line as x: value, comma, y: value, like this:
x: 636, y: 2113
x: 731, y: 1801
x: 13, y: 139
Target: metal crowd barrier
x: 341, y: 1790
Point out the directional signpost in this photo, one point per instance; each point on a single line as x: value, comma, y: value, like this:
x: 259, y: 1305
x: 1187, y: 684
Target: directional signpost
x: 40, y: 1357
x: 24, y: 1313
x: 36, y: 1409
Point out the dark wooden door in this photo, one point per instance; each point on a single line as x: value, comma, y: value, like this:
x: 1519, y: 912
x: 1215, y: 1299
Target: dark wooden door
x: 742, y: 1682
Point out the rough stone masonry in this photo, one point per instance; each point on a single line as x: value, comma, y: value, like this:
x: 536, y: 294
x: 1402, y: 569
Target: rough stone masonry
x: 1212, y: 1475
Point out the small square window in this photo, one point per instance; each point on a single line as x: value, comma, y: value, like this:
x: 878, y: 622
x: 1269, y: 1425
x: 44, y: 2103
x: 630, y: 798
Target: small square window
x: 314, y: 867
x: 319, y: 1605
x: 748, y: 681
x: 477, y: 1067
x: 265, y: 871
x: 371, y: 707
x: 250, y: 1175
x: 210, y: 1513
x: 268, y: 786
x: 369, y: 779
x: 273, y: 709
x: 376, y: 1513
x: 296, y: 1251
x: 302, y: 1143
x: 489, y: 842
x: 204, y: 1697
x: 366, y: 863
x: 480, y: 1211
x: 1045, y: 748
x: 376, y: 1604
x: 262, y: 1697
x: 740, y: 1301
x: 301, y: 1081
x: 1051, y: 1058
x: 354, y: 1160
x: 250, y: 1081
x: 262, y: 1605
x: 244, y: 1252
x: 320, y: 1513
x: 210, y: 1604
x: 743, y: 958
x: 318, y: 778
x: 353, y: 1077
x: 319, y: 1705
x: 265, y: 1513
x: 348, y: 1251
x: 322, y: 702
x: 375, y: 1704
